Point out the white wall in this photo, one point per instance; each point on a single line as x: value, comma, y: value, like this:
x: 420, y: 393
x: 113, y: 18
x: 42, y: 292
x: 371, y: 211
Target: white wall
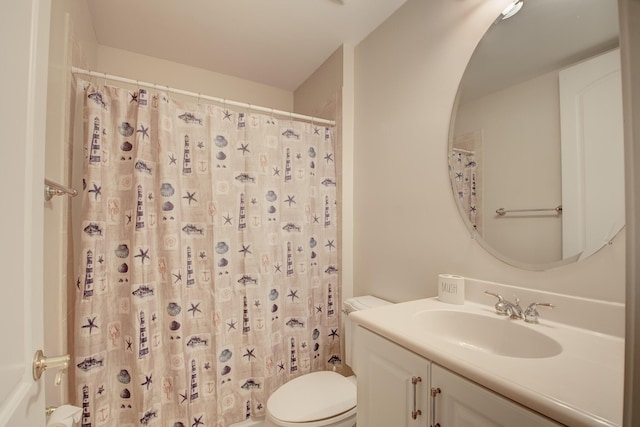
x: 407, y: 227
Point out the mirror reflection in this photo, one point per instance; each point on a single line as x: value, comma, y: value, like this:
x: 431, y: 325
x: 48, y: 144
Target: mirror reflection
x: 536, y: 144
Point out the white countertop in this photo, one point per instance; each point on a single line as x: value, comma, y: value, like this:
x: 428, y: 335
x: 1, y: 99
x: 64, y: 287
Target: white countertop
x: 581, y: 386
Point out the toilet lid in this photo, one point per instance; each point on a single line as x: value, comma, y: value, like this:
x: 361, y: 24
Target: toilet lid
x: 312, y: 397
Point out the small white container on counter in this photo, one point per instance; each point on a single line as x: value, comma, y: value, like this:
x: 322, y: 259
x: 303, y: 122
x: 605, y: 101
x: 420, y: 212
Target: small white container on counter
x: 451, y: 288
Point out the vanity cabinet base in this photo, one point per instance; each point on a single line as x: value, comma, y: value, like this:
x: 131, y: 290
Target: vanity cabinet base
x: 399, y: 388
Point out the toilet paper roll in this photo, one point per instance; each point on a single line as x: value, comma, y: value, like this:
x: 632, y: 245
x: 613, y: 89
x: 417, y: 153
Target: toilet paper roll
x: 65, y: 416
x: 451, y: 288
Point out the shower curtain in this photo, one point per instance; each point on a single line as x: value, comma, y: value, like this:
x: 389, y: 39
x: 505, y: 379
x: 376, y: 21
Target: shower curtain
x: 463, y: 168
x: 209, y: 262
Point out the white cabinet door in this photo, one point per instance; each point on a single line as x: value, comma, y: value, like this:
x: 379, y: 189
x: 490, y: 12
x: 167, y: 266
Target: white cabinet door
x: 462, y: 403
x: 386, y: 392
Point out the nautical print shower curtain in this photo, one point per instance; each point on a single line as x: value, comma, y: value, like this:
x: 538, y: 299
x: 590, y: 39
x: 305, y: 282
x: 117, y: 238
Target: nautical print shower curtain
x: 208, y: 263
x: 463, y: 168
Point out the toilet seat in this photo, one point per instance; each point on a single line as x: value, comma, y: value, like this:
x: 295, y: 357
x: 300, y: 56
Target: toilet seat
x: 314, y: 399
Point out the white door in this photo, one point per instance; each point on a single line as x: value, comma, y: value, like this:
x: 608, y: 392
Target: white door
x: 24, y: 41
x: 592, y: 154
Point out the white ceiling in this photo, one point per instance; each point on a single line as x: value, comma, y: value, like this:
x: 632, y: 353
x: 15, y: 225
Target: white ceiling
x: 276, y: 42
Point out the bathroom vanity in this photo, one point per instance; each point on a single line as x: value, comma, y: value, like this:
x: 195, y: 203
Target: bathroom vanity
x: 427, y: 363
x: 435, y: 395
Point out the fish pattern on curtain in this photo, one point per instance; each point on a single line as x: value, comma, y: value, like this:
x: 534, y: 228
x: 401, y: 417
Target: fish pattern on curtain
x: 209, y: 260
x: 464, y: 180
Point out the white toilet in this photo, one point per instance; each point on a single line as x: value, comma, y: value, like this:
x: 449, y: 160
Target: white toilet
x: 325, y: 398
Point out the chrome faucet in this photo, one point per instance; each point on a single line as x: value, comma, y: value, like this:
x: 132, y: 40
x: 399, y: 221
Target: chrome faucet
x: 514, y: 311
x: 507, y: 308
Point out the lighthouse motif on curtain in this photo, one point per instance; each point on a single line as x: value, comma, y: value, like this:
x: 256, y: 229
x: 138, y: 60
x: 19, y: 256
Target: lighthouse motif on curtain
x: 186, y: 157
x: 190, y: 272
x: 194, y: 381
x: 94, y: 153
x: 330, y: 309
x: 327, y: 213
x: 140, y: 209
x: 88, y: 275
x: 294, y: 359
x: 246, y: 326
x: 289, y: 260
x: 287, y: 166
x: 143, y: 344
x: 242, y: 215
x: 86, y: 412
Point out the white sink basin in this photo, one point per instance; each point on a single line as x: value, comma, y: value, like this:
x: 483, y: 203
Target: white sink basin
x: 497, y: 335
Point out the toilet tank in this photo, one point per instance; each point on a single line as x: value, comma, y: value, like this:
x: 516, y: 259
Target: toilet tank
x: 355, y: 304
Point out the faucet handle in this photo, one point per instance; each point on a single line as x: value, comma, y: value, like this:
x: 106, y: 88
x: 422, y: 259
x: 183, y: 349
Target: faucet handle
x: 500, y: 298
x: 501, y: 306
x: 531, y: 313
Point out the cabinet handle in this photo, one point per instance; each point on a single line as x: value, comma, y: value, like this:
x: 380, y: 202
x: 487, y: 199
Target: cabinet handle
x: 435, y: 391
x: 416, y: 412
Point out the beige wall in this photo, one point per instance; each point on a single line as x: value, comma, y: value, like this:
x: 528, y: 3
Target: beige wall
x: 316, y: 96
x: 407, y: 228
x: 520, y: 128
x: 71, y: 40
x: 325, y: 94
x: 328, y: 93
x: 166, y: 73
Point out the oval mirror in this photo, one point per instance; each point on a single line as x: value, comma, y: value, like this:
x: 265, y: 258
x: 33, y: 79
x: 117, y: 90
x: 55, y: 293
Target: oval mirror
x: 536, y: 143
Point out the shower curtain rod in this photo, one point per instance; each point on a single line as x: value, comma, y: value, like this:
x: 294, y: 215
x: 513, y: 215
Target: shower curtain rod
x: 76, y: 70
